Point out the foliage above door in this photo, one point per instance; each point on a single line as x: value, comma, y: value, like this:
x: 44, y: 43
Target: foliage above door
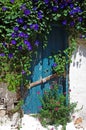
x: 24, y: 25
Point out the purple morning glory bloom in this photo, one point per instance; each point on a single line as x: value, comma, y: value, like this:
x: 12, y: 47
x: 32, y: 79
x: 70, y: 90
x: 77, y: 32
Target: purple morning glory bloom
x: 21, y: 34
x: 20, y: 47
x: 26, y: 12
x: 4, y: 8
x: 10, y: 55
x: 64, y: 22
x: 36, y: 42
x: 4, y: 44
x: 80, y: 19
x: 23, y: 7
x: 40, y: 15
x: 29, y: 48
x: 20, y: 20
x: 12, y: 1
x: 75, y: 10
x: 31, y: 26
x: 13, y: 35
x: 25, y: 27
x: 54, y: 65
x: 55, y: 8
x: 2, y: 54
x: 71, y: 6
x: 35, y: 8
x: 34, y: 26
x: 26, y: 35
x: 16, y: 28
x: 13, y: 42
x: 23, y: 72
x: 46, y: 1
x: 27, y: 42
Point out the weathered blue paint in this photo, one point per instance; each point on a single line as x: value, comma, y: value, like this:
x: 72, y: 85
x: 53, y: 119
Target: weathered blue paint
x: 42, y: 67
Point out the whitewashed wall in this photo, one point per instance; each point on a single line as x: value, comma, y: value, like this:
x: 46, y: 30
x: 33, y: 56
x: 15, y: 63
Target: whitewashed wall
x: 77, y: 80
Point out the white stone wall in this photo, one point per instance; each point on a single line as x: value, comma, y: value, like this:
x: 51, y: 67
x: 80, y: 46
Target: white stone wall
x: 77, y: 80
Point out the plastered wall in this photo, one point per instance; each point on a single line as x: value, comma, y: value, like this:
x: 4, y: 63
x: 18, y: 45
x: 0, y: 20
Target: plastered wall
x: 77, y: 80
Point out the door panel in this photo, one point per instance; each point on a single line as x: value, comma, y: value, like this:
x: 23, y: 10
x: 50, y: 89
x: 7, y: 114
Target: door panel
x: 42, y: 67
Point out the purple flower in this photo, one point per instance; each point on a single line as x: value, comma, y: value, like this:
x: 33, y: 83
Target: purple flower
x: 26, y: 42
x: 21, y: 34
x: 16, y: 28
x: 26, y: 35
x: 26, y: 12
x: 4, y: 8
x: 25, y: 27
x: 71, y: 6
x: 13, y: 35
x: 46, y: 1
x: 23, y: 72
x: 13, y: 42
x: 54, y: 65
x: 34, y: 26
x: 12, y: 1
x: 55, y: 8
x: 4, y: 44
x: 23, y: 7
x: 40, y: 15
x: 35, y: 8
x: 10, y: 55
x: 64, y: 22
x: 20, y: 20
x: 75, y: 10
x: 80, y: 19
x: 29, y: 47
x: 2, y: 54
x: 20, y: 47
x: 36, y: 42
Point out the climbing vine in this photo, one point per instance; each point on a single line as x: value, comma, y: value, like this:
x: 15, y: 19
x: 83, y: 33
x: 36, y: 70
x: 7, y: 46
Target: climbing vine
x: 25, y: 24
x: 63, y: 59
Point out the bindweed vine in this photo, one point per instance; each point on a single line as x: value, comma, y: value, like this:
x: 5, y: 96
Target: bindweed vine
x: 25, y: 24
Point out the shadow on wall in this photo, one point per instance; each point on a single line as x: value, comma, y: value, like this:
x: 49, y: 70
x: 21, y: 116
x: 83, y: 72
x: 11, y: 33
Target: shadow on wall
x: 79, y: 54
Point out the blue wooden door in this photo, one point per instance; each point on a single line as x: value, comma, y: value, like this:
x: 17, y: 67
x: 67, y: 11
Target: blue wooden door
x: 42, y: 67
